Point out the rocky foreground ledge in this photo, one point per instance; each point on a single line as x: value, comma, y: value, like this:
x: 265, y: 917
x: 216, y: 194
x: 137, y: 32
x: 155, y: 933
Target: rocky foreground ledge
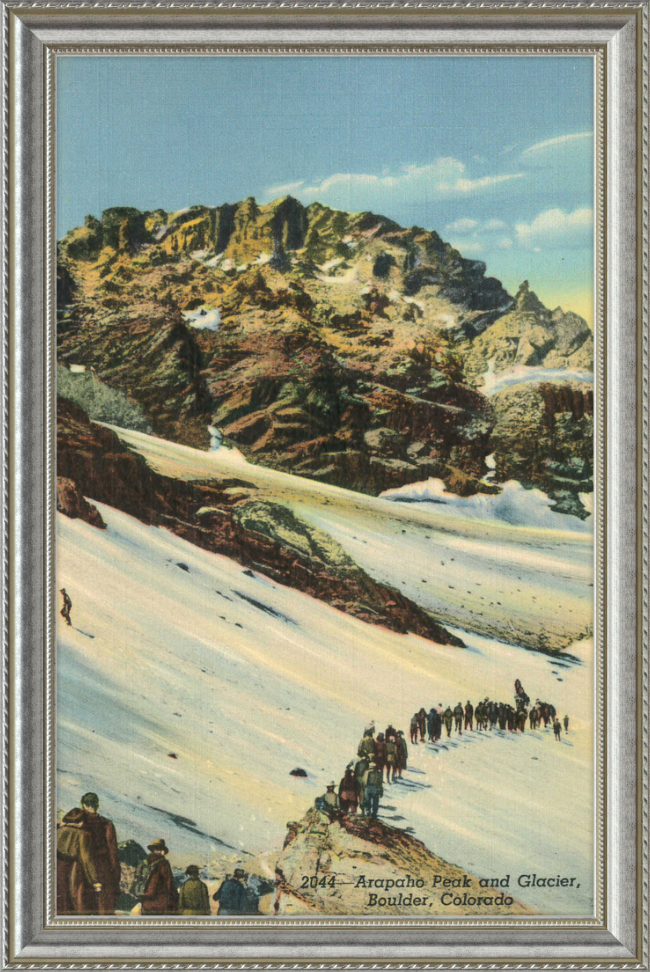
x: 358, y: 866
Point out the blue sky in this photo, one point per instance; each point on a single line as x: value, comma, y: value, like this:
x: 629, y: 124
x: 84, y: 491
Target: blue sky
x: 495, y: 153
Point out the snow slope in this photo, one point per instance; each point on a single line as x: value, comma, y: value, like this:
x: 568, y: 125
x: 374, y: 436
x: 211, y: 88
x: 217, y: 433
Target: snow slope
x: 188, y: 690
x: 486, y: 576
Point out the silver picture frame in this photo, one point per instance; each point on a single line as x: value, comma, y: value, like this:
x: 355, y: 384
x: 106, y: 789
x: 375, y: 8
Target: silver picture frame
x: 617, y: 36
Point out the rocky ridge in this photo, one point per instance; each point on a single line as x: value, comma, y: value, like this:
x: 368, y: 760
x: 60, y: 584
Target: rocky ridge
x: 334, y: 345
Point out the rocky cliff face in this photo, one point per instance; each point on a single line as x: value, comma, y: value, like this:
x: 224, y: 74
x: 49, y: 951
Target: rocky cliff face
x: 531, y: 335
x: 225, y: 517
x: 544, y: 437
x: 333, y: 345
x: 359, y: 866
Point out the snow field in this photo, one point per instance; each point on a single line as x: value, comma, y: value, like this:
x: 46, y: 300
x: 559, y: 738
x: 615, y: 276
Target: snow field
x: 186, y: 696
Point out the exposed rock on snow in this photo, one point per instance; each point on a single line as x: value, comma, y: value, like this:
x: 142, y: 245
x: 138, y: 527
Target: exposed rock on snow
x: 220, y: 517
x: 70, y: 501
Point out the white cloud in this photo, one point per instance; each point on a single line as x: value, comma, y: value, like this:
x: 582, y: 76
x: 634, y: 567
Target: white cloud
x: 554, y: 228
x: 463, y: 225
x: 442, y: 178
x: 551, y: 143
x: 505, y: 243
x: 285, y: 189
x: 493, y: 224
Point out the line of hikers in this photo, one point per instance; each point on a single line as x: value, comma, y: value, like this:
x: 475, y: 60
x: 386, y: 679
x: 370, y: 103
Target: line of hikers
x: 362, y: 785
x: 487, y: 714
x: 89, y: 874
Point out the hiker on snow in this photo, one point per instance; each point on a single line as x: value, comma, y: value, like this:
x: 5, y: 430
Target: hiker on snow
x: 422, y: 723
x: 413, y: 729
x: 349, y: 792
x: 88, y: 868
x: 447, y: 718
x: 391, y: 758
x: 380, y: 753
x: 160, y: 896
x: 231, y: 895
x: 193, y: 897
x: 367, y: 744
x: 402, y: 754
x: 373, y: 790
x: 459, y: 712
x: 67, y: 606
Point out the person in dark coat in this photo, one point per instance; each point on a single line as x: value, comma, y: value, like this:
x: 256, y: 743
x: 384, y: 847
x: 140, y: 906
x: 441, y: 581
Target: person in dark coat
x: 566, y: 723
x: 380, y: 753
x: 437, y: 727
x: 349, y: 792
x: 459, y: 712
x: 448, y: 718
x: 101, y: 845
x: 160, y: 896
x: 422, y: 723
x: 402, y: 754
x: 67, y: 606
x: 431, y: 724
x: 231, y: 895
x: 557, y: 729
x: 391, y: 731
x: 193, y: 897
x: 469, y: 715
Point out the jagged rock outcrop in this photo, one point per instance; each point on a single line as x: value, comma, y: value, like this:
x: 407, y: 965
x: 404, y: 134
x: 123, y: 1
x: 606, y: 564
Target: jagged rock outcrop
x: 70, y: 501
x: 544, y: 438
x: 224, y: 517
x: 530, y: 334
x: 359, y: 866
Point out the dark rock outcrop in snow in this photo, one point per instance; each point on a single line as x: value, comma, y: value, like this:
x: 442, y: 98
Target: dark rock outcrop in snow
x: 217, y: 517
x: 70, y: 501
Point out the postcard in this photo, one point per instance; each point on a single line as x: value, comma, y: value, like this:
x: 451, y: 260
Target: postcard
x: 325, y: 508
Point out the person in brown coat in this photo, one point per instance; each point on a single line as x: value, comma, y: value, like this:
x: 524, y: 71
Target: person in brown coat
x: 349, y: 792
x: 85, y: 836
x: 160, y: 895
x: 104, y: 851
x: 77, y: 882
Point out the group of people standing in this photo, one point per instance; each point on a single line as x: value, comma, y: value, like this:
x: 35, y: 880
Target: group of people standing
x: 384, y: 757
x: 487, y: 714
x: 362, y: 785
x: 88, y: 874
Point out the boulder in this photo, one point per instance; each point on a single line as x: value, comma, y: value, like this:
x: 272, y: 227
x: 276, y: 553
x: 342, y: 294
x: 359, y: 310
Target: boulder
x: 70, y: 502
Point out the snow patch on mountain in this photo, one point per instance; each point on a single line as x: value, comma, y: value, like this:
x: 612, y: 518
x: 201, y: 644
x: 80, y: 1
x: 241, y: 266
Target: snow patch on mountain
x: 514, y: 504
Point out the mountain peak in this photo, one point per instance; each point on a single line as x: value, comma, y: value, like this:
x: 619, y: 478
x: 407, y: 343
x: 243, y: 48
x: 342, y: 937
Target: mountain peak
x: 527, y: 300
